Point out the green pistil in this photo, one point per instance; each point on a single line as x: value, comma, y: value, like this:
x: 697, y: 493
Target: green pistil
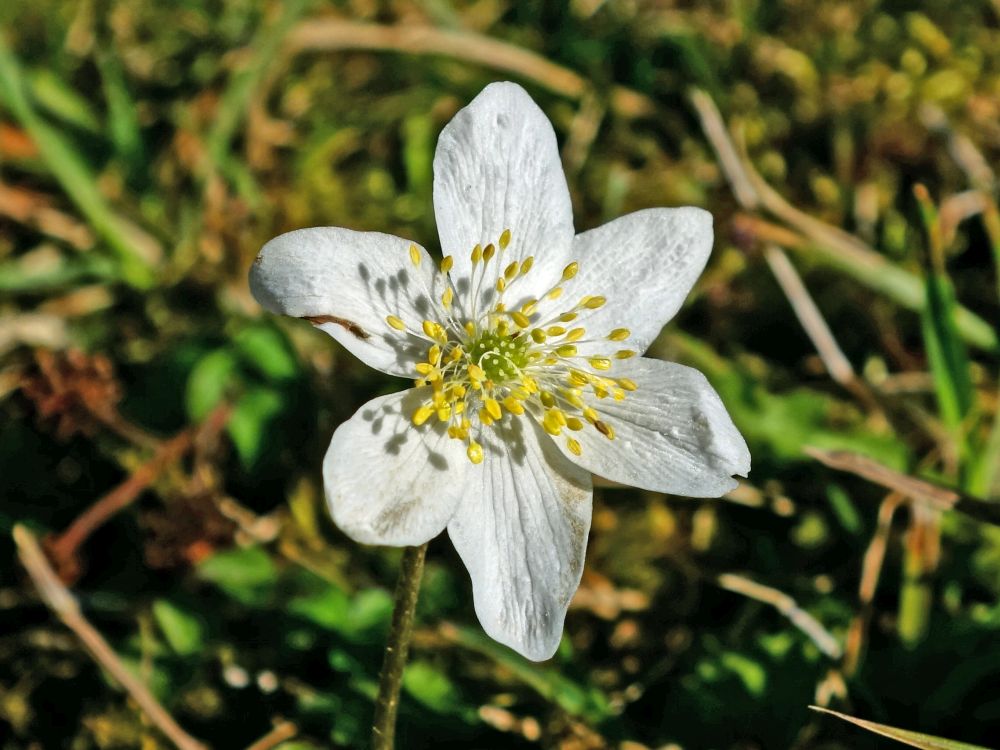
x: 500, y: 356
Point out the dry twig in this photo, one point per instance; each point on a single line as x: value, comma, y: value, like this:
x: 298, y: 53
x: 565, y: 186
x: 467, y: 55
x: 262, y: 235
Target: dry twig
x: 64, y: 547
x: 787, y: 606
x: 933, y: 495
x: 62, y: 603
x: 331, y: 34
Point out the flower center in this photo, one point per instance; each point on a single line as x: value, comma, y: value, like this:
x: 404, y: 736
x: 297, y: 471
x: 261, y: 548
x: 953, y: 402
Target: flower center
x: 480, y: 366
x: 502, y: 357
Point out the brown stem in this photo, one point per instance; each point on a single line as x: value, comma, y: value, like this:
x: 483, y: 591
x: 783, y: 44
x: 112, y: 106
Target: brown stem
x: 397, y: 647
x: 61, y: 601
x: 63, y: 548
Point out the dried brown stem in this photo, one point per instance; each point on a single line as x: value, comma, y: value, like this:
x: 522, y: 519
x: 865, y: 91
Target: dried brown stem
x: 933, y: 495
x: 283, y: 731
x: 63, y: 548
x: 871, y: 571
x: 787, y: 606
x: 332, y: 34
x: 61, y: 602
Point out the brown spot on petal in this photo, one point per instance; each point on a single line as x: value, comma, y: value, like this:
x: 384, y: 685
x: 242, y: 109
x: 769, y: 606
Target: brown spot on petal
x: 350, y: 325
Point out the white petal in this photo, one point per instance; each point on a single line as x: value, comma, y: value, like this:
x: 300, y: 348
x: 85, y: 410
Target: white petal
x: 522, y: 532
x: 644, y: 263
x: 388, y: 482
x: 497, y: 167
x: 672, y: 435
x: 347, y: 283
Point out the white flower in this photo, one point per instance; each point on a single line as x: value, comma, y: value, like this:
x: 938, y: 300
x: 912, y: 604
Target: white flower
x: 523, y: 346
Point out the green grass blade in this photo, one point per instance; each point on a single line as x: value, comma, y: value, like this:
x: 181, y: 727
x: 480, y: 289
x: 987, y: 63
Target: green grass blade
x: 72, y: 173
x: 907, y: 737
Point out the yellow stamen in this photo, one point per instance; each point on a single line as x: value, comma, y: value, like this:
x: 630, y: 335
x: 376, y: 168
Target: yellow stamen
x: 395, y: 322
x: 414, y: 255
x: 619, y: 334
x: 421, y: 415
x: 570, y: 271
x: 446, y: 263
x: 475, y: 452
x: 504, y: 239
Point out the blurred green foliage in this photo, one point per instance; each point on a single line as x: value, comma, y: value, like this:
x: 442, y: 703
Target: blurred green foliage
x: 147, y: 150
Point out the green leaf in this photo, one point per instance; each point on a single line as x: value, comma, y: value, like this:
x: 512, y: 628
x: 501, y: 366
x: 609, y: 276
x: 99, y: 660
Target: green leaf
x: 264, y: 349
x: 56, y: 97
x: 251, y: 418
x: 948, y: 357
x: 432, y: 687
x: 123, y: 120
x: 913, y: 739
x: 247, y: 575
x: 577, y: 700
x: 208, y: 382
x: 183, y: 630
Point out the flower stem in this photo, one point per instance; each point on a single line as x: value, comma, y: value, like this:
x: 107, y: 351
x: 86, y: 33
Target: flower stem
x: 396, y: 649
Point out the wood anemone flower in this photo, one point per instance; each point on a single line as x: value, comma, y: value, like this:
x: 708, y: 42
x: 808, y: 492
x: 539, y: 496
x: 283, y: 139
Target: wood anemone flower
x: 525, y: 346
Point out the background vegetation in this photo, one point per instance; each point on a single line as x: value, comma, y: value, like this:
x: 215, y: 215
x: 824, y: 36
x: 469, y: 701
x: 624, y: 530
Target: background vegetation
x: 147, y: 150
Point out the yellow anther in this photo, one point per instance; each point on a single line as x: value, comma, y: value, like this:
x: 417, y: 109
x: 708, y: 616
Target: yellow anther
x: 485, y: 417
x: 475, y: 452
x: 527, y: 263
x: 555, y: 330
x: 574, y: 447
x: 504, y: 239
x: 444, y: 413
x: 520, y: 319
x: 447, y: 297
x: 579, y: 378
x: 551, y: 423
x: 619, y: 334
x: 600, y: 391
x: 501, y: 284
x: 434, y: 354
x: 574, y: 398
x: 574, y: 424
x: 627, y: 384
x: 618, y: 394
x: 529, y: 307
x: 421, y: 415
x: 488, y: 252
x: 590, y: 415
x: 476, y: 373
x: 512, y: 405
x: 570, y: 271
x: 424, y: 368
x: 446, y: 263
x: 456, y: 354
x: 510, y: 271
x: 395, y: 322
x: 560, y: 416
x: 493, y: 408
x: 547, y: 399
x: 470, y: 328
x: 600, y: 363
x: 624, y: 354
x: 566, y: 350
x: 477, y: 254
x: 592, y: 303
x: 538, y: 335
x: 434, y: 330
x: 555, y: 293
x: 576, y: 334
x: 605, y: 429
x: 567, y: 317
